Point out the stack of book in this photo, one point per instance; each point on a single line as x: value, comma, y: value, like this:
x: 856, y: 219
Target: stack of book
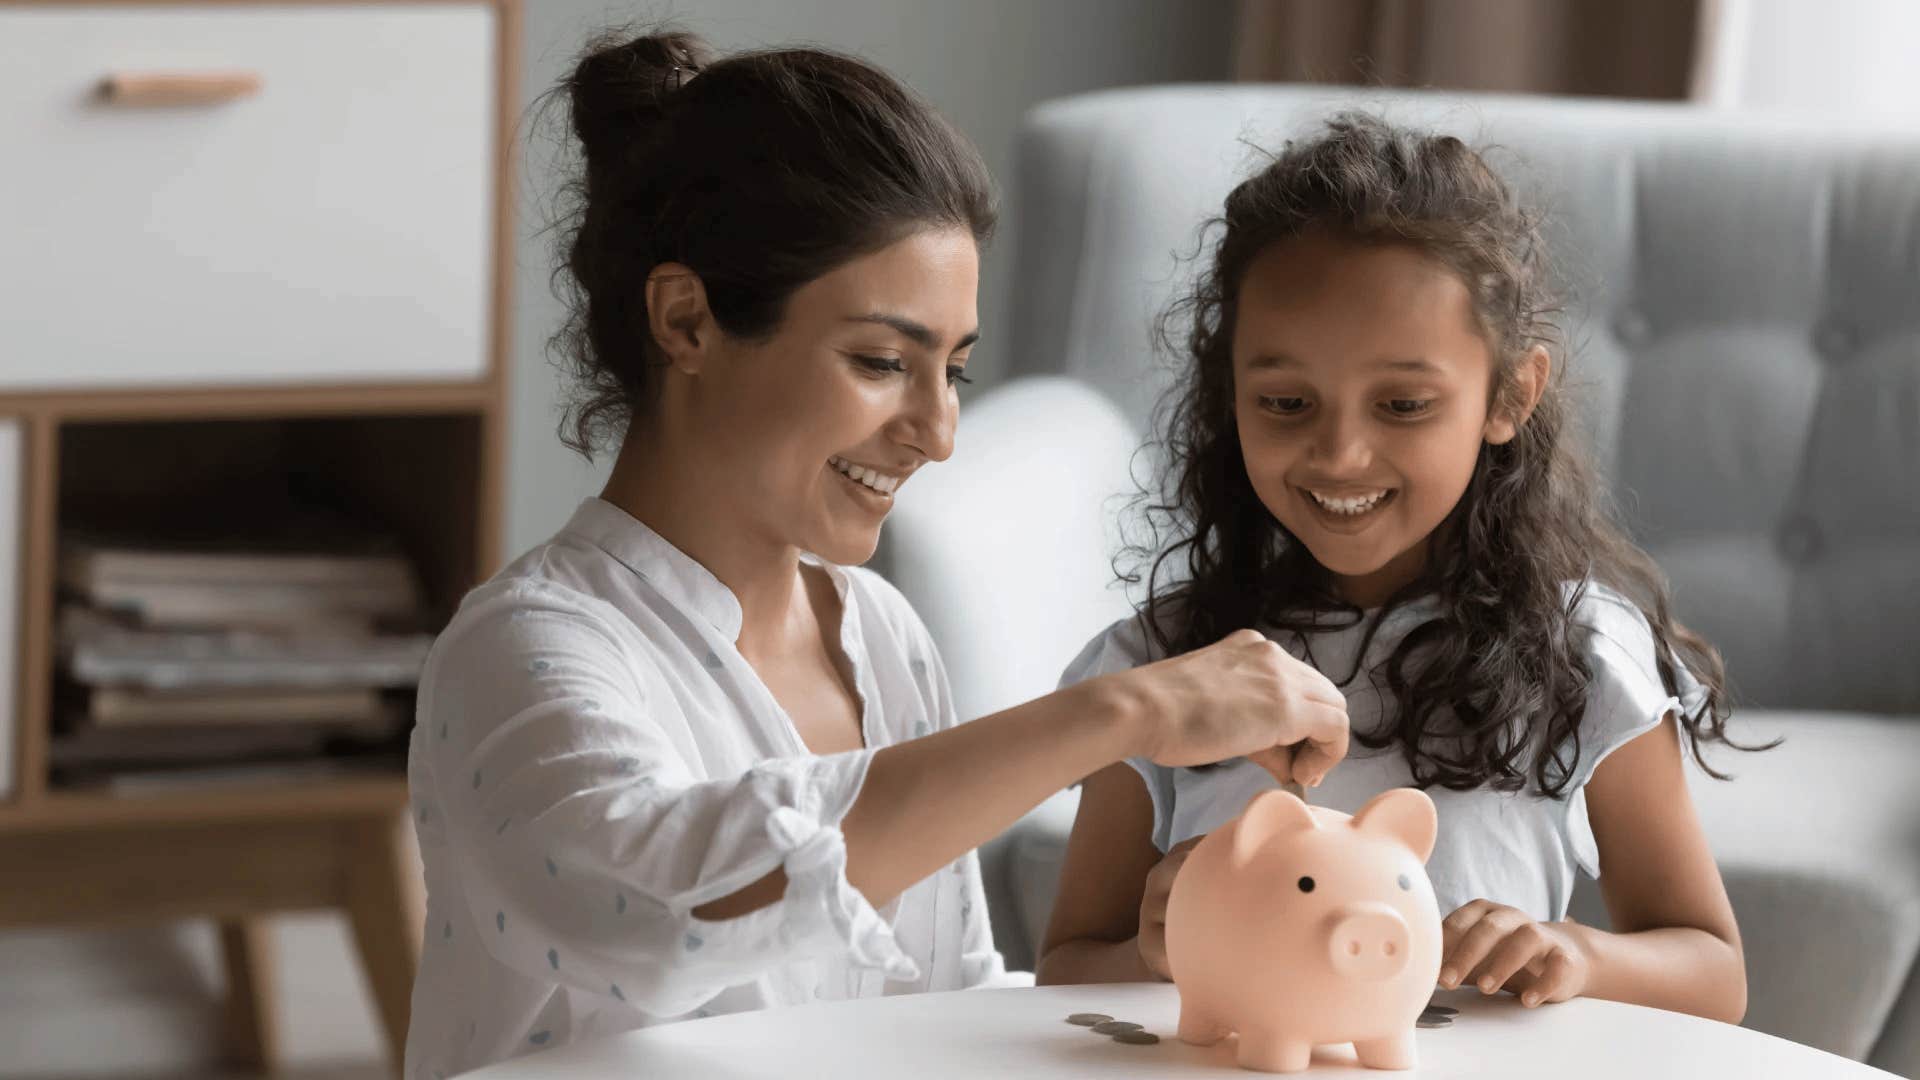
x: 193, y: 666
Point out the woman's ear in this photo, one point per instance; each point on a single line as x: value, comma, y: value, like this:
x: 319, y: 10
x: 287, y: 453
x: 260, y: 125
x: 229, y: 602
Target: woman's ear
x: 1530, y: 381
x: 678, y: 318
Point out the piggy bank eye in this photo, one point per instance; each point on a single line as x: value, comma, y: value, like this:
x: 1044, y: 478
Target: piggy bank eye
x: 1306, y: 884
x: 1405, y: 885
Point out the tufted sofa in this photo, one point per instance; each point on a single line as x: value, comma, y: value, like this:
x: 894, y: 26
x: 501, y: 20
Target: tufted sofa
x: 1745, y: 329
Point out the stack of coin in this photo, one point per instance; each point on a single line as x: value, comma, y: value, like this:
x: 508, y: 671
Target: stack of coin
x: 1436, y: 1016
x: 1122, y: 1031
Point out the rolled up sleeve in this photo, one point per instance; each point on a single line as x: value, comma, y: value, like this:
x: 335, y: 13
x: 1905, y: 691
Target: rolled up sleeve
x: 583, y: 841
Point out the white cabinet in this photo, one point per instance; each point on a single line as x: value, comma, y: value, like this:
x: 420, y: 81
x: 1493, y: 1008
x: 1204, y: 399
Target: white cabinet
x: 335, y: 225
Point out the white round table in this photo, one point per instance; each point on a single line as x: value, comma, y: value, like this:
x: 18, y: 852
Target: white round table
x: 1022, y: 1034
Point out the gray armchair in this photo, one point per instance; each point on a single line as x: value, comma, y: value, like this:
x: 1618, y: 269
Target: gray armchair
x: 1746, y: 323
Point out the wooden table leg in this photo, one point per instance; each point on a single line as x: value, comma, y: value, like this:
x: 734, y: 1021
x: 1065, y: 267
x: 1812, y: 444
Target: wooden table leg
x: 385, y: 905
x: 253, y: 1030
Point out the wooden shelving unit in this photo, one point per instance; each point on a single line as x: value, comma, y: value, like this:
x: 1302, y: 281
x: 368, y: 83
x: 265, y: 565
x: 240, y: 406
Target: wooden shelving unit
x: 424, y: 458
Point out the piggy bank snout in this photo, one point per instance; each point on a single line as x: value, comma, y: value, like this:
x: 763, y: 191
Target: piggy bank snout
x: 1368, y: 941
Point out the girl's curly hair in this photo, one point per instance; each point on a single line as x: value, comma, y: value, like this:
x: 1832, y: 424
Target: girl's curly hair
x: 1493, y: 689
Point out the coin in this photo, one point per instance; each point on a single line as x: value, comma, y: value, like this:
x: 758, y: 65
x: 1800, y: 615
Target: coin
x: 1136, y: 1038
x: 1433, y: 1022
x: 1088, y: 1019
x: 1443, y: 1010
x: 1115, y: 1027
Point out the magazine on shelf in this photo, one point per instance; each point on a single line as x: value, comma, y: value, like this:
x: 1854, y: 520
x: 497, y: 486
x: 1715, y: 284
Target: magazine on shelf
x: 292, y: 566
x: 126, y: 748
x: 293, y: 608
x: 86, y: 565
x: 249, y: 775
x: 100, y: 650
x: 124, y: 706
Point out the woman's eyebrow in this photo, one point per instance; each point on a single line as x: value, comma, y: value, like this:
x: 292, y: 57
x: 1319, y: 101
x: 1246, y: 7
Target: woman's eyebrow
x: 918, y: 333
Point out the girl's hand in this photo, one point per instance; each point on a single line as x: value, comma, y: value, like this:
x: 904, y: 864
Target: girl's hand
x: 1153, y: 908
x: 1241, y: 696
x: 1495, y: 947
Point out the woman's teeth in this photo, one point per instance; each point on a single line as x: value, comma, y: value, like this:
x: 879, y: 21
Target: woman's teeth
x: 1351, y: 505
x: 879, y: 482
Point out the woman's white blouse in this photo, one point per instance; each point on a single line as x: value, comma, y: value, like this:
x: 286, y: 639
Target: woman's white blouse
x: 593, y: 759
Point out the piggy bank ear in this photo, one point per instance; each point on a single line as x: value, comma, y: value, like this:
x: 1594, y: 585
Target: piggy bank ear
x: 1268, y: 814
x: 1404, y: 814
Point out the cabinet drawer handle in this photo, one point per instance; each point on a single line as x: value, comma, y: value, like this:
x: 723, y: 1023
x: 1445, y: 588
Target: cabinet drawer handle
x: 178, y: 87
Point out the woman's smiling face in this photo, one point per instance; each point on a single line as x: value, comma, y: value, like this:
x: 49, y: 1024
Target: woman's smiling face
x: 1361, y: 393
x: 810, y: 432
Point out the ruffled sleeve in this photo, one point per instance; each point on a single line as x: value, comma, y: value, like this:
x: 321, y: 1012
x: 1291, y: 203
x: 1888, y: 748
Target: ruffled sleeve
x: 1625, y: 700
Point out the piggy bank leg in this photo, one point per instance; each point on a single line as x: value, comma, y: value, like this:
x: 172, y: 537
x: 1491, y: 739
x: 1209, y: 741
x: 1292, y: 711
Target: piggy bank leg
x: 1269, y: 1051
x: 1391, y: 1052
x: 1200, y: 1027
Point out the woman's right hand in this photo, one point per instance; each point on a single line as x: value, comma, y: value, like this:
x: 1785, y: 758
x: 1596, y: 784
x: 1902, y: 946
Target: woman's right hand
x: 1241, y: 696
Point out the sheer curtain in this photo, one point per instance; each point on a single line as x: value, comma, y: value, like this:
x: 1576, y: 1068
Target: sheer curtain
x: 1849, y: 57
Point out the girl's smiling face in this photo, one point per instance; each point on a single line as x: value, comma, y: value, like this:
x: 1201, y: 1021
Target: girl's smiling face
x: 1362, y: 388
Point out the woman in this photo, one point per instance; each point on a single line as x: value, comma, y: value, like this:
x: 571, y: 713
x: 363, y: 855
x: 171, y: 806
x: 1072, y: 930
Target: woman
x: 679, y: 760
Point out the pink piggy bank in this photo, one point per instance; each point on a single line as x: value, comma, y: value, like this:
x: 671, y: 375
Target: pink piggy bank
x: 1296, y: 926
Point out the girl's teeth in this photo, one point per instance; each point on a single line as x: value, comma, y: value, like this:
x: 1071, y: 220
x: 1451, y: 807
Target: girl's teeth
x: 1349, y: 506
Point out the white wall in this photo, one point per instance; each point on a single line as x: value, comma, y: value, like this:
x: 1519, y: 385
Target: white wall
x: 982, y: 62
x: 146, y: 999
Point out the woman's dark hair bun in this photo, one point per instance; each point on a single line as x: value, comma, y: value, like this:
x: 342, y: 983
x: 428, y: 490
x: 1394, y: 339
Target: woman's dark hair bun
x: 621, y: 85
x: 759, y: 171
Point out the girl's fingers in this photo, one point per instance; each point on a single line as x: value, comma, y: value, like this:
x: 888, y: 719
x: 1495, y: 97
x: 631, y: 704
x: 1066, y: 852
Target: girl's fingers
x: 1153, y: 906
x: 1153, y: 949
x: 1507, y: 958
x: 1455, y: 926
x: 1470, y: 949
x: 1555, y: 983
x: 1529, y: 976
x: 1153, y: 902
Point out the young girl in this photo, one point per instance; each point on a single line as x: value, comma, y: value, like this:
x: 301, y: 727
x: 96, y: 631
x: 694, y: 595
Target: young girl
x: 1372, y: 467
x: 684, y: 758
